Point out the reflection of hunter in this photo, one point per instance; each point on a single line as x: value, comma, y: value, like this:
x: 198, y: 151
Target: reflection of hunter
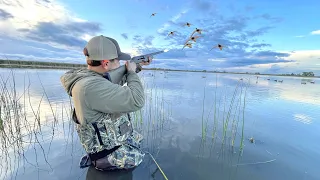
x: 102, y: 105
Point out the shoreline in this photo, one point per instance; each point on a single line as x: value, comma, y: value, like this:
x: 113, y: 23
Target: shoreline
x: 65, y: 66
x: 23, y: 66
x: 252, y: 74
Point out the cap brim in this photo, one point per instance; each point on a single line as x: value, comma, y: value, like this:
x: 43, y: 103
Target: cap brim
x: 124, y: 56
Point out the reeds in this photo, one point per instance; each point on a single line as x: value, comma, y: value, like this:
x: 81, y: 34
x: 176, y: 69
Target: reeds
x: 154, y: 117
x: 32, y: 124
x: 25, y: 126
x: 231, y: 107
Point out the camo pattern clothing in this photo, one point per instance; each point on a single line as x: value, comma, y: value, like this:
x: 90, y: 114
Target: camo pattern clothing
x: 112, y: 133
x: 104, y: 132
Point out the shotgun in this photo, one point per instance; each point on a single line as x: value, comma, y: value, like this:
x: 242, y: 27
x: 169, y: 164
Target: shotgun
x: 116, y: 75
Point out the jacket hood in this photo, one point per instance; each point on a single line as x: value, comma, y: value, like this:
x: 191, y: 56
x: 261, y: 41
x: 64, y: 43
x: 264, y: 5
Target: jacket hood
x: 69, y: 79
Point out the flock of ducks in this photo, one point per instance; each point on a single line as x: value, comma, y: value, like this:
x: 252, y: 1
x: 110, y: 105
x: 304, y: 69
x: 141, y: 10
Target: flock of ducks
x: 194, y: 39
x: 191, y: 37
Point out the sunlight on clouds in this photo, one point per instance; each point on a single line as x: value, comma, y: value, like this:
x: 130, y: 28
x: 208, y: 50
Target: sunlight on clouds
x: 43, y: 22
x: 27, y: 14
x: 317, y: 32
x: 132, y: 51
x: 306, y: 57
x: 288, y: 67
x: 300, y: 55
x: 307, y: 60
x: 7, y: 28
x: 75, y: 19
x: 86, y: 37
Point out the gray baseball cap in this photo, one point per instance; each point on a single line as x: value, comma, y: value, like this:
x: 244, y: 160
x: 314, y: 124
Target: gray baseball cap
x: 105, y: 48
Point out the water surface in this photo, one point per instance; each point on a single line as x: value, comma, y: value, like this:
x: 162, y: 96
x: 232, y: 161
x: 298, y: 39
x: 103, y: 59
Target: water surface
x: 282, y: 118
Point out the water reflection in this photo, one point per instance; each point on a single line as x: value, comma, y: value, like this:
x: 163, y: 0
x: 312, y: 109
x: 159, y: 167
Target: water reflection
x: 94, y: 174
x: 281, y: 117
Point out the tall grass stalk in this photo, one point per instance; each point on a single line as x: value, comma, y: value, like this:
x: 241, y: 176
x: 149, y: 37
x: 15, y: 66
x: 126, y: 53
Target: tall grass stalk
x: 235, y: 122
x: 215, y: 118
x: 242, y: 130
x: 23, y: 126
x: 203, y: 108
x: 156, y: 112
x: 226, y: 122
x: 230, y: 106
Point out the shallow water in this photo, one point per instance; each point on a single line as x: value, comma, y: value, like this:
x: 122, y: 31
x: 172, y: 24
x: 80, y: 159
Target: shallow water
x: 283, y: 119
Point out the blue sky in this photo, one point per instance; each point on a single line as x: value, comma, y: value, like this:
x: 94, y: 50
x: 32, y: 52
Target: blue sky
x: 260, y: 36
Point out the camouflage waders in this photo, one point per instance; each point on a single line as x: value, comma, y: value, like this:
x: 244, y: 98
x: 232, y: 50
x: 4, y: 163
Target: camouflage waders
x: 110, y: 144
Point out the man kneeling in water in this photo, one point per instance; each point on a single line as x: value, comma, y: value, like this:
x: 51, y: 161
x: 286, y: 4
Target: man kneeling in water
x: 102, y: 108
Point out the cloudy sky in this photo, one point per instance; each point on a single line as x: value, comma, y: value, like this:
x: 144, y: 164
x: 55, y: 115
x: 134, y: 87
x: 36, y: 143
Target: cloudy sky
x: 259, y: 36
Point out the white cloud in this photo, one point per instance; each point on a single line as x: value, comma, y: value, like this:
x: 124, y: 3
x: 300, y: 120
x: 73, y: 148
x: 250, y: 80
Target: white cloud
x: 75, y: 58
x: 28, y: 13
x: 165, y: 26
x: 132, y: 51
x: 304, y: 61
x: 304, y: 56
x: 218, y: 59
x: 86, y: 37
x: 178, y: 16
x: 317, y: 32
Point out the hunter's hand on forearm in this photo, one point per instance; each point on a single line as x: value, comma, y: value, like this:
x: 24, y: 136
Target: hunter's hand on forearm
x: 131, y: 66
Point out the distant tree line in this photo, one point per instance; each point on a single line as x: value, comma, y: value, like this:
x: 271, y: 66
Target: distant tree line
x: 305, y: 74
x: 15, y: 63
